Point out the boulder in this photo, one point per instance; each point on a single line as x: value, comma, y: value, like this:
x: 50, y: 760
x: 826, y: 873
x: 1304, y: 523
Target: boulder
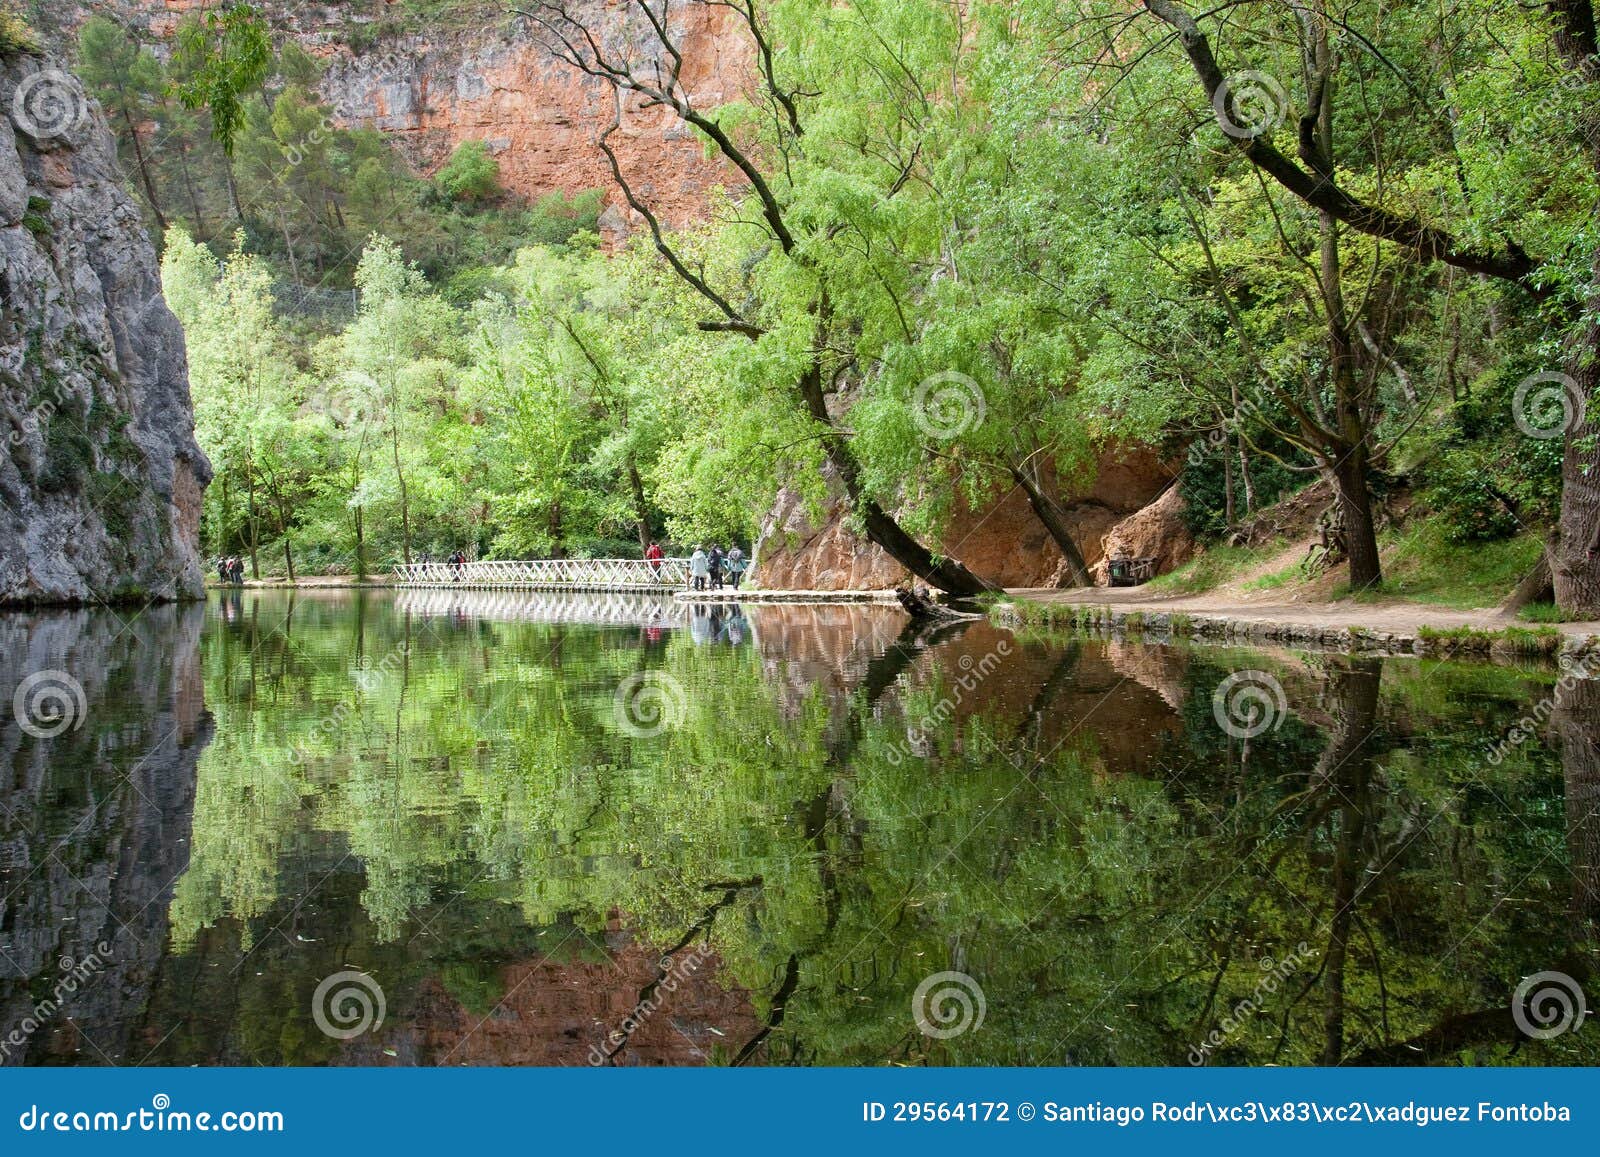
x: 1155, y: 531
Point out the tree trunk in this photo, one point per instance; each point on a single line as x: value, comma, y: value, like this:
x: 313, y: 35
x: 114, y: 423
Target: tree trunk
x: 554, y: 527
x: 1228, y: 516
x: 200, y: 230
x: 1346, y: 769
x: 233, y: 190
x: 1575, y: 571
x: 1244, y: 455
x: 255, y: 531
x: 641, y: 509
x: 1050, y: 514
x: 1349, y: 462
x: 1360, y: 529
x: 946, y: 574
x: 144, y: 170
x: 288, y: 557
x: 1535, y: 586
x: 361, y: 546
x: 405, y: 497
x: 1575, y: 727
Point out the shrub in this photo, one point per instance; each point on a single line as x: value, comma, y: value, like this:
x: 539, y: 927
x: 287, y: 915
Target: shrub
x: 16, y: 37
x: 470, y: 175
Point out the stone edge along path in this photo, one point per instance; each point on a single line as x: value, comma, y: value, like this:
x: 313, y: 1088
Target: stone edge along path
x: 1377, y: 630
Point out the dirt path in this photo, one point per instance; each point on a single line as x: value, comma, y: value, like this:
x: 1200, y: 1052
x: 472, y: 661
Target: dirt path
x: 1390, y: 616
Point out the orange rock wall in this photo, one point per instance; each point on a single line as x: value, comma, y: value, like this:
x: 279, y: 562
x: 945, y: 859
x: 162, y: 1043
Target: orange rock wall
x: 1002, y: 541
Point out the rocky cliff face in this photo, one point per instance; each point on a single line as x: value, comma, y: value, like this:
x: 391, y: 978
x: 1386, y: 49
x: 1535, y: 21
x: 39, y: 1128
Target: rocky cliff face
x: 100, y: 479
x: 475, y: 72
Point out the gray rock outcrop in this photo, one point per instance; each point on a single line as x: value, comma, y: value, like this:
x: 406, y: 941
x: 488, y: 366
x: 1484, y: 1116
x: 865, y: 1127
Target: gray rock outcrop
x: 100, y: 476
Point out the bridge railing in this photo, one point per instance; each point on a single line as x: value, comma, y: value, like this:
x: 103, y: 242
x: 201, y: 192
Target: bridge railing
x: 587, y: 574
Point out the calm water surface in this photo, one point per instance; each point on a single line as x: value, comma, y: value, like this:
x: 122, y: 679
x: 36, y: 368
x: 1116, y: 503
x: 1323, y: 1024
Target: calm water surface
x: 570, y: 830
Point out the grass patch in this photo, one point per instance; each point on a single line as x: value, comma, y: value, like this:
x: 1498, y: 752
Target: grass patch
x: 1520, y: 640
x: 1544, y: 613
x: 1422, y: 565
x: 1288, y: 576
x: 1218, y: 565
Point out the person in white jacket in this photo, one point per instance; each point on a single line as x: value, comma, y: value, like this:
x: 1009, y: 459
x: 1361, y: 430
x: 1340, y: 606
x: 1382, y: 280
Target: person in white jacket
x: 699, y: 568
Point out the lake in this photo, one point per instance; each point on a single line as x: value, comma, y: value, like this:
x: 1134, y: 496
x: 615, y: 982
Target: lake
x: 481, y: 828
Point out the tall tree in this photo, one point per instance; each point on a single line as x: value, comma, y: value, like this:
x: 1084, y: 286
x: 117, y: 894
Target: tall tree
x: 128, y: 81
x: 1384, y: 214
x: 766, y: 152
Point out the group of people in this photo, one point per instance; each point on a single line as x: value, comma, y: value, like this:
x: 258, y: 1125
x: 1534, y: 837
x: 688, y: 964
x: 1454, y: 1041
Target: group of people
x: 230, y: 569
x: 707, y: 569
x: 456, y: 560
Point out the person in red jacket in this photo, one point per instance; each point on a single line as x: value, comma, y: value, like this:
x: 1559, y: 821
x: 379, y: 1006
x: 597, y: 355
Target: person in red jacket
x: 653, y: 554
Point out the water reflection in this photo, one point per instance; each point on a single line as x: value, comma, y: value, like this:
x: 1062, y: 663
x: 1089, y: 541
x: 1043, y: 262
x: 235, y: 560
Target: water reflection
x: 842, y: 802
x: 94, y: 825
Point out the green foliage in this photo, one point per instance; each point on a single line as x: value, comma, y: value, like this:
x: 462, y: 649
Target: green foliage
x: 496, y: 815
x: 471, y: 174
x: 1484, y: 477
x: 36, y: 218
x: 225, y: 55
x: 1429, y: 563
x: 993, y: 280
x: 1205, y: 481
x: 16, y: 38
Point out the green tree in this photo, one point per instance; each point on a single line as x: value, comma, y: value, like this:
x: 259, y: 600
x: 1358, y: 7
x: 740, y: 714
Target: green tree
x: 128, y: 81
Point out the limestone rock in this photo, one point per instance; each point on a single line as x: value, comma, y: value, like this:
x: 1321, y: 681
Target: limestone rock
x: 430, y: 84
x: 100, y: 475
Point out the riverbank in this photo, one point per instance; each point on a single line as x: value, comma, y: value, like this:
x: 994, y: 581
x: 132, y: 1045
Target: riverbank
x: 1380, y: 626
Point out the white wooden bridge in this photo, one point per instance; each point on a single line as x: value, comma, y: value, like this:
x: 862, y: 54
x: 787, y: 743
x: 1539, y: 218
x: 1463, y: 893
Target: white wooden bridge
x: 553, y: 574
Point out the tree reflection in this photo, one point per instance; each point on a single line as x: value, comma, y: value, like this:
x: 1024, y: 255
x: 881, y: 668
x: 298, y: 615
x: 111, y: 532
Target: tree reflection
x: 1077, y: 834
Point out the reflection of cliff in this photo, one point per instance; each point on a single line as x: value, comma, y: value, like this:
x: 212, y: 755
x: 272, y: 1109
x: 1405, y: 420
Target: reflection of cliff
x: 1104, y: 698
x: 561, y: 1013
x: 95, y: 822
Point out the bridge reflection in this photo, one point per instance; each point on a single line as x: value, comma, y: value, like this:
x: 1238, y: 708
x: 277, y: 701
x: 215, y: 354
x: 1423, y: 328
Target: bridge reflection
x: 610, y: 608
